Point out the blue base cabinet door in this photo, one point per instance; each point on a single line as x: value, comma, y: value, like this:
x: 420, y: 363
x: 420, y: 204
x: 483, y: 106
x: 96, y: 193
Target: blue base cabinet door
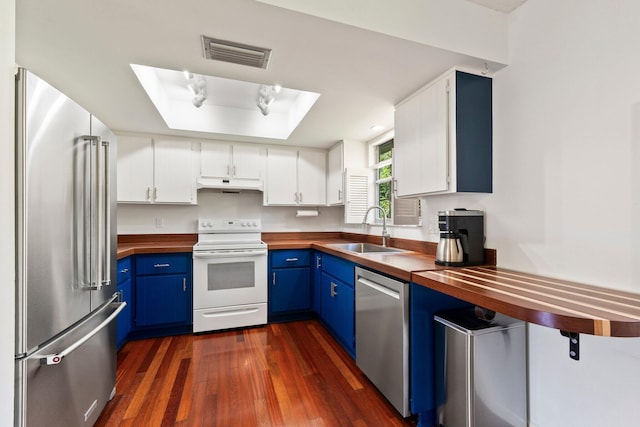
x: 161, y: 300
x: 338, y: 311
x: 125, y: 319
x: 290, y: 290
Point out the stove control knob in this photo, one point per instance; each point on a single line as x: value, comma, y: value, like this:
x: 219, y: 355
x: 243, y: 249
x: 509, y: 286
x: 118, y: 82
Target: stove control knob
x: 254, y: 223
x: 244, y: 224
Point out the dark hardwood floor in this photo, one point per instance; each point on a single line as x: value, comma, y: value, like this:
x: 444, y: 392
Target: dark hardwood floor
x: 282, y: 374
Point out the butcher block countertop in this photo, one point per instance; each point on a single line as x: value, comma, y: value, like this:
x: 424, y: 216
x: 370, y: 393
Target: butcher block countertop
x: 135, y: 244
x: 559, y: 304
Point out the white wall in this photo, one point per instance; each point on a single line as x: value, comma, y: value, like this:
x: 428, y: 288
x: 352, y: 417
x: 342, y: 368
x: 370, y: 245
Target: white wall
x: 566, y: 190
x: 7, y: 252
x: 141, y: 219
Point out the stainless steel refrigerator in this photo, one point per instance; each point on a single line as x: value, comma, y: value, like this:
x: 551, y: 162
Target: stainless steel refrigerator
x: 66, y: 300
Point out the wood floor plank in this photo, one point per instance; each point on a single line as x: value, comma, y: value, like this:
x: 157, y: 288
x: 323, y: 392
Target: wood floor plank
x: 283, y: 374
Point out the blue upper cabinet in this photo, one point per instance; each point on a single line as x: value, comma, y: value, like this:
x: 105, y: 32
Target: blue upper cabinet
x: 443, y: 137
x: 289, y: 283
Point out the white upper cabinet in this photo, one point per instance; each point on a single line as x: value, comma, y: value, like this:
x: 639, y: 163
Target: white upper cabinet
x: 335, y: 175
x: 312, y: 170
x: 295, y: 177
x: 159, y: 171
x: 135, y: 169
x: 174, y: 175
x: 443, y: 137
x: 343, y: 155
x: 231, y: 161
x: 282, y: 177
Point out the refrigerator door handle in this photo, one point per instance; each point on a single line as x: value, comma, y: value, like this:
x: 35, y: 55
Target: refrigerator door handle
x: 55, y: 359
x: 106, y: 219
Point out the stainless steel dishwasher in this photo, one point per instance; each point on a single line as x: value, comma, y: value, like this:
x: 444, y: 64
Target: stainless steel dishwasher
x: 382, y: 335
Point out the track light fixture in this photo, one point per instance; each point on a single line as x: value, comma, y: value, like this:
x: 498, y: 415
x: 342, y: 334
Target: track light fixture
x: 266, y: 97
x: 198, y: 87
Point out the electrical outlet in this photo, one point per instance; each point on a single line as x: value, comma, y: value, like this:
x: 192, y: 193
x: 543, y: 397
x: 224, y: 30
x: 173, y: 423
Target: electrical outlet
x: 159, y: 222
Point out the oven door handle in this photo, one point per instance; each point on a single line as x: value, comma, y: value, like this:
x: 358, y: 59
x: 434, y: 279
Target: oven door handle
x: 229, y: 254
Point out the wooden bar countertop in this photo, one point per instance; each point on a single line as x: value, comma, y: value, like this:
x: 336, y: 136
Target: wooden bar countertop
x: 559, y: 304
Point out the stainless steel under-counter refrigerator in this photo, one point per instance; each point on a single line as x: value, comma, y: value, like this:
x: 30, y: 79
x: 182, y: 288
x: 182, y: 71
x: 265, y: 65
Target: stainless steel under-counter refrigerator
x: 66, y: 300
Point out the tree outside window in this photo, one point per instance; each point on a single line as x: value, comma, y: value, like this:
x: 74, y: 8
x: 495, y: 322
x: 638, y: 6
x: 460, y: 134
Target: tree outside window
x: 384, y: 177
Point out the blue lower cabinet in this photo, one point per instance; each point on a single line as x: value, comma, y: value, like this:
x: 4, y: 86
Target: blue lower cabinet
x: 424, y: 376
x: 290, y: 283
x: 290, y: 290
x: 337, y: 299
x: 338, y: 311
x: 125, y: 319
x: 163, y: 295
x: 162, y: 299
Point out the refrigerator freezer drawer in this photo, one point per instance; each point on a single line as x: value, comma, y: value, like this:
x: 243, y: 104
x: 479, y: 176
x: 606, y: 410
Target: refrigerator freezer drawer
x: 74, y: 391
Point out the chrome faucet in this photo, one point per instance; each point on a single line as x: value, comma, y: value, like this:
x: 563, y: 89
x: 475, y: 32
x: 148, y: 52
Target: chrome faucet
x: 385, y: 233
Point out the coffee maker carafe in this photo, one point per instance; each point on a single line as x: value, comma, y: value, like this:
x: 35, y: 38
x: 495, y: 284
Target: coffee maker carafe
x: 461, y: 238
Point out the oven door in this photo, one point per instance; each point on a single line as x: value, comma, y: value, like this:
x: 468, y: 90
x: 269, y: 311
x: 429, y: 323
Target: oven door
x: 224, y: 278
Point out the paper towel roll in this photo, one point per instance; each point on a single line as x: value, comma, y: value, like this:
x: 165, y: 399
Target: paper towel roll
x: 311, y: 212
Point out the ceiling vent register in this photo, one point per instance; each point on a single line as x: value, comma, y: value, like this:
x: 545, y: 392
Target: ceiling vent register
x: 236, y: 53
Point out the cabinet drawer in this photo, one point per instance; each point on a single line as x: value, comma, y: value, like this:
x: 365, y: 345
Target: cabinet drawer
x: 339, y: 268
x: 162, y: 264
x: 124, y: 269
x: 290, y: 258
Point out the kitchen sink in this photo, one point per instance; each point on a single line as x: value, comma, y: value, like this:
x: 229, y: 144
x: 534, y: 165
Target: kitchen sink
x: 363, y: 248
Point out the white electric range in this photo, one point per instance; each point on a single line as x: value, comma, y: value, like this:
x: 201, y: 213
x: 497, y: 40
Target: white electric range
x: 229, y: 275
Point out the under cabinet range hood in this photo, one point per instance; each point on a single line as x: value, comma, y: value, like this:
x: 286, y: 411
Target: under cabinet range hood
x: 230, y: 184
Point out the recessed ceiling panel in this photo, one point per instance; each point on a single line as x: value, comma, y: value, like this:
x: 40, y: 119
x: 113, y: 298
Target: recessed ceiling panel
x: 224, y: 106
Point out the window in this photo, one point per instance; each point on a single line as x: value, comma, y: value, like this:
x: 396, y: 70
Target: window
x: 398, y: 211
x: 384, y: 177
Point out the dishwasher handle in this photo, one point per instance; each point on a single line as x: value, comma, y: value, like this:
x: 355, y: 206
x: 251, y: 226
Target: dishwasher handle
x: 379, y: 288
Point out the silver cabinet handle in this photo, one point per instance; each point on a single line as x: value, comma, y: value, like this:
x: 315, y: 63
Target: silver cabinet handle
x: 318, y: 261
x: 228, y: 170
x: 155, y: 193
x: 292, y: 260
x: 148, y: 193
x: 333, y: 290
x: 184, y: 284
x: 274, y: 278
x: 300, y: 197
x: 295, y: 197
x: 124, y: 271
x: 339, y: 194
x: 55, y: 359
x: 162, y: 265
x: 234, y: 170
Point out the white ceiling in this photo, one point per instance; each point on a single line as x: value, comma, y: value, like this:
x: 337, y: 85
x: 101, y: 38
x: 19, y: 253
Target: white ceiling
x: 84, y: 47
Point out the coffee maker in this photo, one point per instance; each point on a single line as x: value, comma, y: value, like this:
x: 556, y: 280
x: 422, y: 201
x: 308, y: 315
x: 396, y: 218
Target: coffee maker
x: 461, y: 238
